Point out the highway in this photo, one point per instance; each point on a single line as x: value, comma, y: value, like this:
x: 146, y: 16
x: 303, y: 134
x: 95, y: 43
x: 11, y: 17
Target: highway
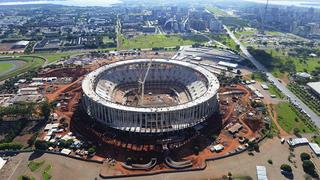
x: 292, y: 97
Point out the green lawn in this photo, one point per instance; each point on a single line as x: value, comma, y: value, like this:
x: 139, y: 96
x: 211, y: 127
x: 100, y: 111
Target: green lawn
x: 156, y: 41
x: 46, y: 173
x: 233, y: 21
x: 227, y: 19
x: 106, y: 39
x: 274, y: 33
x: 289, y: 119
x: 5, y: 66
x: 245, y: 31
x: 217, y: 11
x: 224, y: 39
x: 252, y: 31
x: 275, y: 91
x: 316, y: 140
x: 34, y: 165
x: 55, y: 56
x: 31, y: 64
x: 258, y: 76
x: 279, y: 62
x: 301, y: 64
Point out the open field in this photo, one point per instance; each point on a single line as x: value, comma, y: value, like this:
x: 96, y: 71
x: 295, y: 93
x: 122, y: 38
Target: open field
x: 6, y: 66
x: 28, y: 63
x: 226, y: 18
x: 217, y: 11
x: 279, y: 62
x: 157, y: 41
x: 289, y: 119
x: 258, y: 76
x: 274, y: 90
x: 240, y: 165
x: 301, y: 64
x: 245, y: 165
x: 225, y: 39
x: 54, y: 166
x: 55, y: 56
x: 247, y: 31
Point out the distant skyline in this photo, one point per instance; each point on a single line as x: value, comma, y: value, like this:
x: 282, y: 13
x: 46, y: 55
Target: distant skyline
x: 300, y: 3
x: 62, y: 2
x: 106, y: 3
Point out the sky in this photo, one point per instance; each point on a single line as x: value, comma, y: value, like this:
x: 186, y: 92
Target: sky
x: 306, y: 3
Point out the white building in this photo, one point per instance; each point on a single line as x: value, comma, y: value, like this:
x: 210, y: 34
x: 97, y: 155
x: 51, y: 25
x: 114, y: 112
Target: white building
x: 198, y: 84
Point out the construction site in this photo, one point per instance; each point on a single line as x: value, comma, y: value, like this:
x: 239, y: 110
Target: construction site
x: 227, y: 131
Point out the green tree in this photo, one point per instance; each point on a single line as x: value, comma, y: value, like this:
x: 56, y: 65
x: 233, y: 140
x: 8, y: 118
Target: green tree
x: 196, y: 149
x: 286, y: 167
x: 305, y: 156
x: 91, y: 150
x: 45, y: 108
x: 41, y: 145
x: 308, y: 167
x: 32, y: 139
x: 296, y: 131
x: 25, y: 177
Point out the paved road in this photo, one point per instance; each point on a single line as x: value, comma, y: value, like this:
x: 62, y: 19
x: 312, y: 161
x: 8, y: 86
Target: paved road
x: 293, y: 98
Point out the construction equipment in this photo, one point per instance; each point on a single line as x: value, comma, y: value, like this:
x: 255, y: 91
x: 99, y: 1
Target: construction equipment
x: 142, y: 83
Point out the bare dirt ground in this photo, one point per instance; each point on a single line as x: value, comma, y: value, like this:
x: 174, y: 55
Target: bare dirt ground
x: 244, y: 164
x: 239, y: 165
x: 62, y: 167
x: 6, y: 47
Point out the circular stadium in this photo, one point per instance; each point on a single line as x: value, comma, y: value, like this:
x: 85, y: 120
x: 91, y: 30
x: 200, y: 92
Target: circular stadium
x: 150, y: 96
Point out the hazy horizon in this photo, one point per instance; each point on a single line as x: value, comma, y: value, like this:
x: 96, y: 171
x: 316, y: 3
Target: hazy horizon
x: 301, y: 3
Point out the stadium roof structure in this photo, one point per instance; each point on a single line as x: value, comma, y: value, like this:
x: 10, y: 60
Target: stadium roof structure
x: 315, y: 86
x: 315, y: 148
x: 88, y: 85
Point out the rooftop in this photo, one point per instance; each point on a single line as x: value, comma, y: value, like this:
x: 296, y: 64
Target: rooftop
x: 315, y: 86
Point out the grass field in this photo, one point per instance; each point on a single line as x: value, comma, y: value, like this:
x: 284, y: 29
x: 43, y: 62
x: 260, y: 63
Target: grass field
x: 34, y: 165
x: 245, y: 31
x: 156, y: 41
x: 252, y: 31
x: 275, y: 91
x: 302, y: 64
x: 36, y: 60
x: 106, y: 39
x: 225, y: 39
x: 31, y: 64
x: 46, y: 173
x: 55, y: 56
x: 258, y: 76
x: 217, y: 11
x: 288, y: 119
x: 5, y: 66
x: 279, y: 62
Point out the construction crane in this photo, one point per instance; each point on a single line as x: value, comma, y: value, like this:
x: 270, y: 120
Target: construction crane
x: 142, y: 83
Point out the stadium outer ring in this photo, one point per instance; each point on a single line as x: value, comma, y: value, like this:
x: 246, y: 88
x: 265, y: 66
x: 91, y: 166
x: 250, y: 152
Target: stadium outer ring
x: 150, y: 119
